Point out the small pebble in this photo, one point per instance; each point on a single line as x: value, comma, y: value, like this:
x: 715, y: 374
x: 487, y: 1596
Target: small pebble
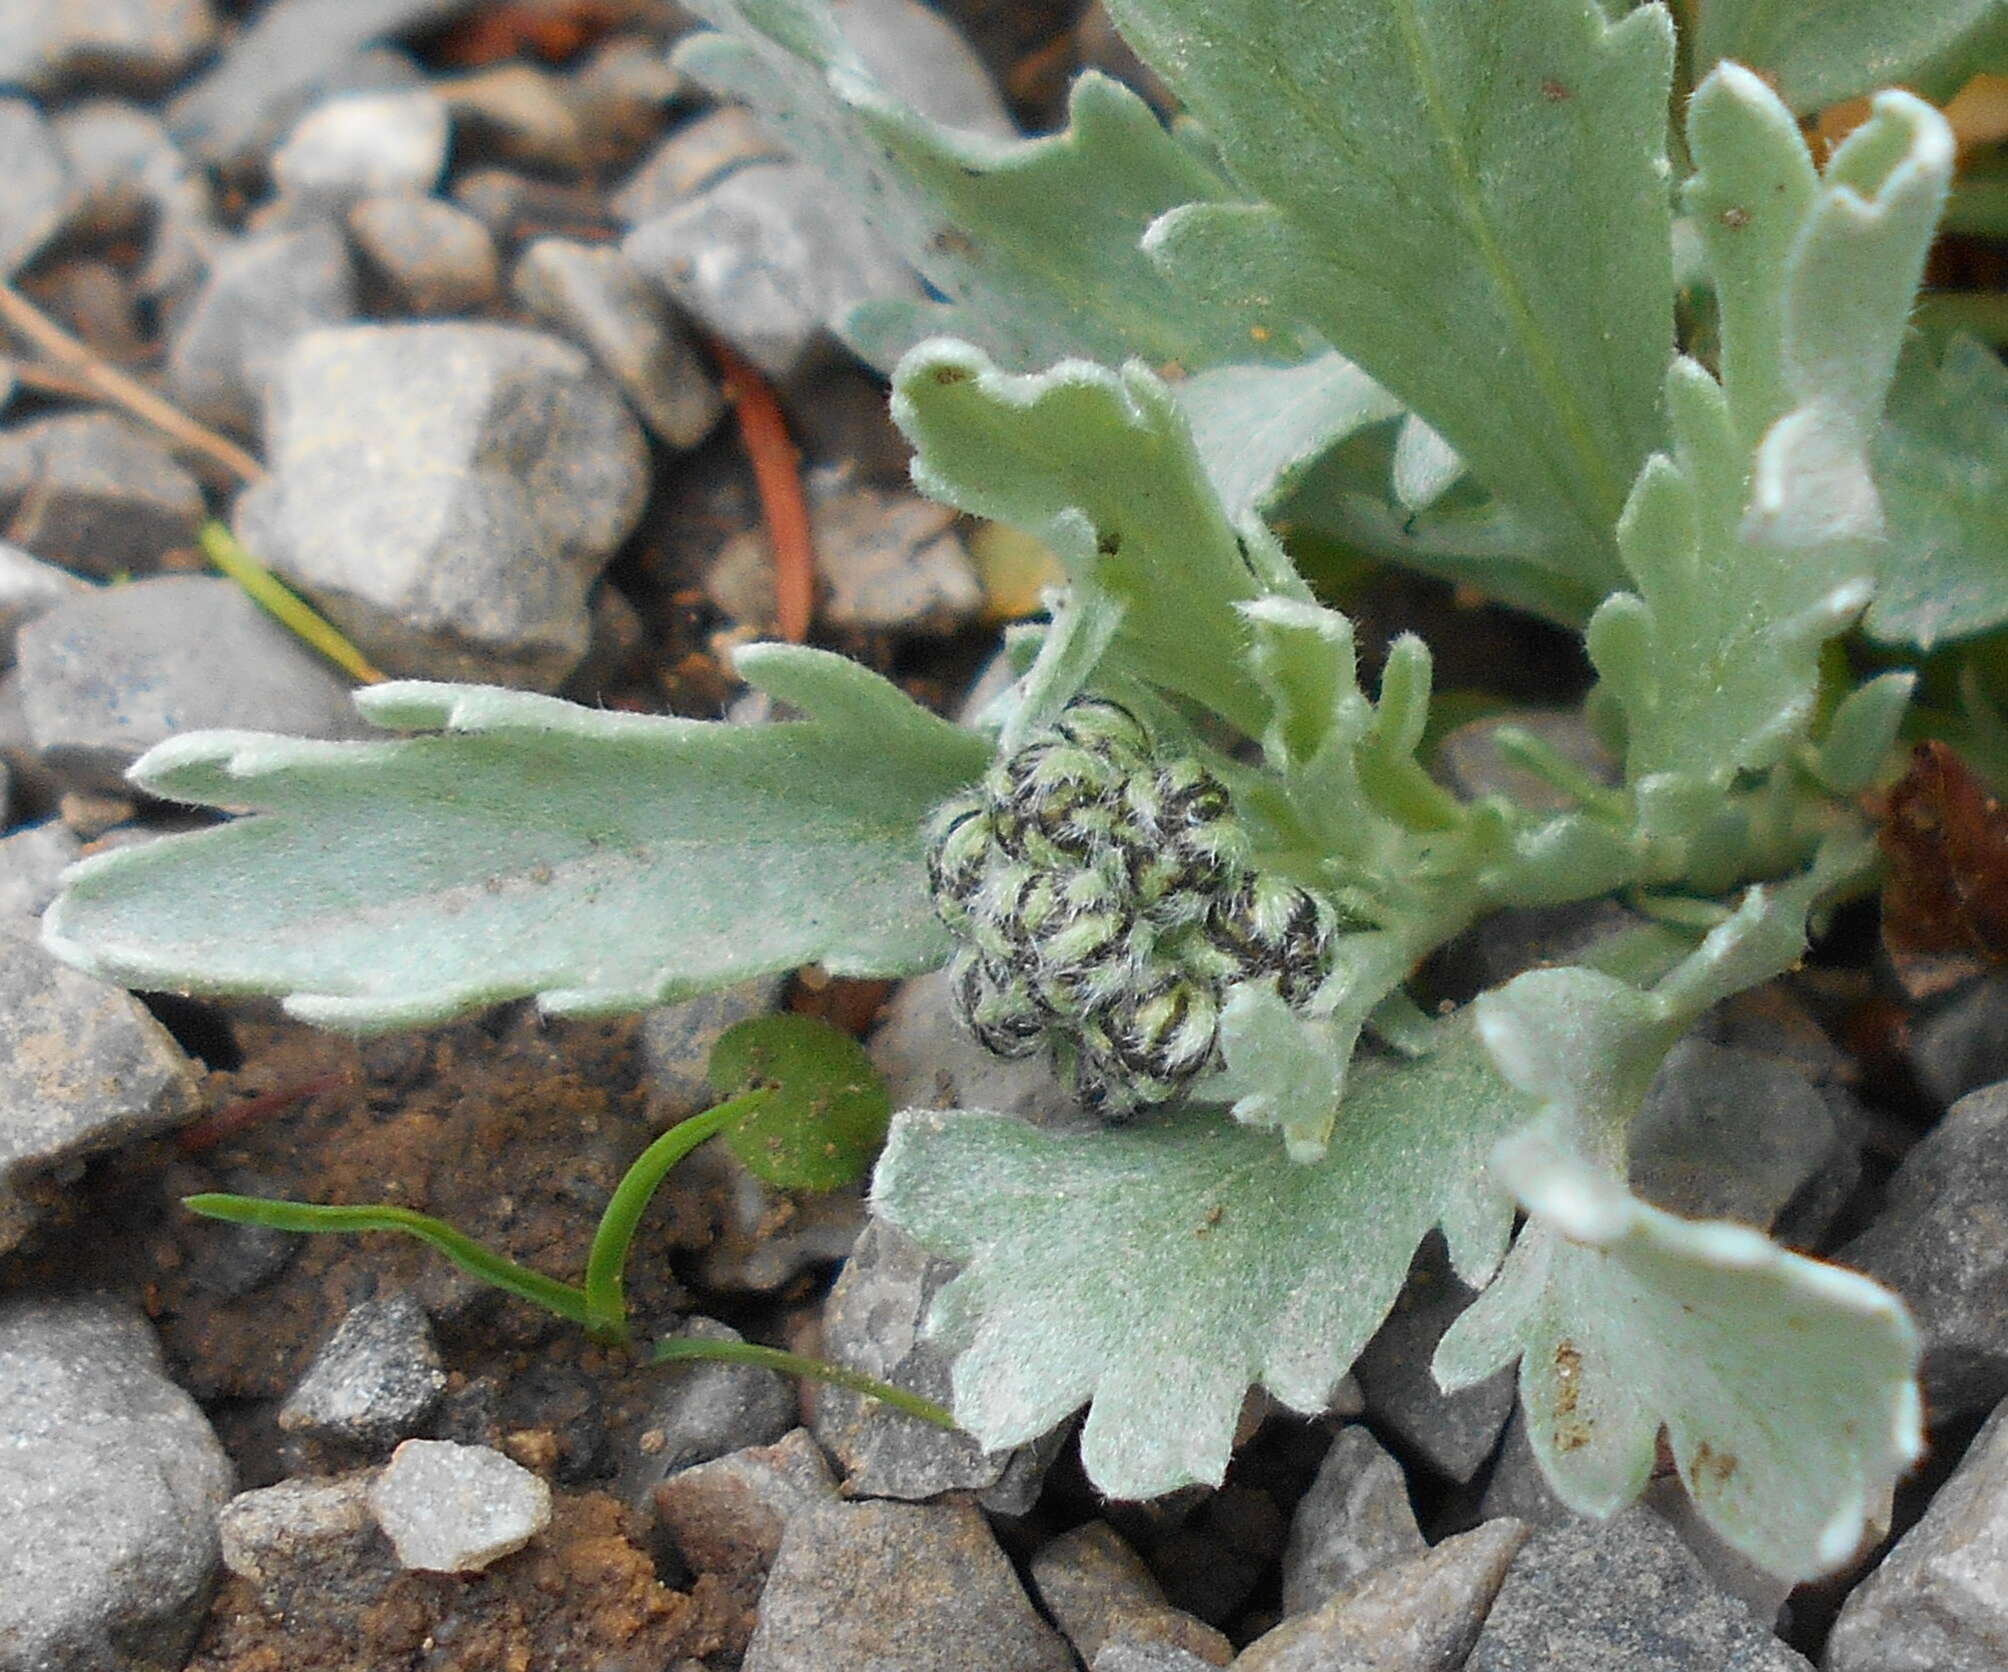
x: 515, y: 113
x: 123, y: 166
x: 373, y: 1381
x: 437, y: 257
x: 1355, y: 1518
x: 702, y: 1411
x: 1098, y: 1591
x: 97, y: 493
x: 40, y: 192
x: 308, y: 1543
x: 362, y: 145
x: 697, y: 154
x: 454, y: 1509
x: 124, y: 46
x: 32, y: 858
x: 28, y: 588
x: 726, y: 1517
x: 1961, y: 1044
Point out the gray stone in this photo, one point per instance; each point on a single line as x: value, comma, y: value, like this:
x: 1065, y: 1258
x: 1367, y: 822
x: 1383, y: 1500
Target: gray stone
x: 883, y: 1587
x: 260, y: 295
x: 885, y: 560
x: 696, y: 155
x: 96, y: 493
x: 123, y: 167
x: 1147, y: 1657
x: 597, y: 298
x: 449, y: 1508
x: 437, y: 258
x: 872, y: 1322
x: 1517, y: 1487
x: 107, y: 675
x: 133, y: 46
x: 39, y: 189
x: 620, y: 91
x: 1468, y: 759
x: 373, y: 1381
x: 308, y: 1544
x: 31, y: 860
x: 291, y: 49
x: 1961, y: 1044
x: 28, y: 588
x: 726, y: 1517
x: 1504, y: 943
x: 921, y: 58
x: 1355, y: 1518
x: 516, y: 113
x: 1098, y: 1591
x: 703, y: 1410
x: 447, y: 494
x: 1941, y: 1242
x: 83, y: 1068
x: 109, y: 1497
x: 676, y: 1040
x: 766, y: 258
x: 764, y: 1237
x: 931, y: 1061
x: 1623, y: 1595
x: 1728, y: 1134
x: 358, y: 145
x: 1455, y: 1432
x: 1420, y: 1613
x: 1939, y: 1601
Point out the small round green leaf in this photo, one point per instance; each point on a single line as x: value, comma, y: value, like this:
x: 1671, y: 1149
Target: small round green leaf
x: 826, y: 1121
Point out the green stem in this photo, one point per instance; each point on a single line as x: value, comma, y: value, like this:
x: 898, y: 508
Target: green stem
x: 220, y: 546
x: 462, y: 1250
x: 605, y: 1293
x: 808, y: 1369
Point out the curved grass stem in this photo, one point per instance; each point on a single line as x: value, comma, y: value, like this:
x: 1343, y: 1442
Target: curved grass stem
x: 808, y: 1369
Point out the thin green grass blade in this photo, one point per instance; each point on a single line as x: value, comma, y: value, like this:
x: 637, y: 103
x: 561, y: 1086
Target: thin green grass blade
x: 278, y: 600
x: 807, y: 1369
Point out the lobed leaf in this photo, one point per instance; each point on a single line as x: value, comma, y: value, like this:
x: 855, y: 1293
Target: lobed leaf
x: 1035, y: 244
x: 1818, y: 52
x: 602, y: 862
x: 1469, y: 201
x: 1155, y: 1271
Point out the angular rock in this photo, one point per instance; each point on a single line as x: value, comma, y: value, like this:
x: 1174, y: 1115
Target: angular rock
x: 128, y: 46
x: 1420, y: 1613
x: 308, y: 1543
x: 360, y: 145
x: 516, y: 113
x: 886, y: 561
x: 107, y: 675
x: 467, y: 549
x: 766, y: 258
x: 597, y: 298
x: 931, y: 1061
x: 621, y: 92
x: 1098, y: 1591
x: 1961, y: 1044
x: 1941, y: 1242
x: 883, y: 1587
x: 726, y: 1517
x: 31, y: 860
x: 28, y: 588
x: 437, y: 258
x: 373, y: 1381
x: 39, y: 189
x: 454, y: 1509
x: 1355, y: 1518
x: 700, y: 152
x: 259, y: 296
x: 920, y: 57
x: 1455, y: 1432
x: 703, y: 1411
x: 1623, y: 1593
x: 872, y: 1322
x: 1728, y: 1134
x: 96, y: 493
x: 1939, y: 1600
x: 1147, y: 1657
x: 109, y: 1496
x: 83, y: 1068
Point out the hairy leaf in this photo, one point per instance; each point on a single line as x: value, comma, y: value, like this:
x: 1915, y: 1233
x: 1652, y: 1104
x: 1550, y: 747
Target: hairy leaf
x: 1941, y: 461
x: 601, y: 861
x: 1467, y: 200
x: 1099, y: 464
x: 1156, y: 1271
x: 1786, y: 1388
x: 1035, y: 244
x: 1818, y: 52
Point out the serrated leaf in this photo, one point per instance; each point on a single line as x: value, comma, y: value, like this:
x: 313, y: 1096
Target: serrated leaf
x: 1034, y: 244
x: 1941, y: 461
x: 602, y: 862
x: 1818, y: 52
x: 1100, y: 465
x: 1786, y: 1387
x: 1156, y: 1271
x: 1469, y: 201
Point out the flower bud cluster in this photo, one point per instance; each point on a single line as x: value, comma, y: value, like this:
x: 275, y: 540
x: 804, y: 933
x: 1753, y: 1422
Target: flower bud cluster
x: 1106, y: 900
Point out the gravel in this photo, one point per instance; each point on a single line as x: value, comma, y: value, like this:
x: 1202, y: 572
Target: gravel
x: 726, y: 1517
x: 39, y: 189
x: 1099, y: 1592
x: 132, y: 46
x: 374, y: 1381
x: 361, y: 144
x: 435, y: 256
x: 97, y: 493
x: 1355, y: 1518
x: 28, y: 588
x: 702, y: 1411
x: 449, y: 1508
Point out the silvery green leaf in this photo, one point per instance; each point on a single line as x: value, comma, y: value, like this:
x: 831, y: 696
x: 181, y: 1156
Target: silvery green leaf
x: 1100, y: 465
x: 1156, y: 1271
x: 1862, y: 733
x: 600, y: 861
x: 1425, y: 465
x: 1786, y: 1387
x: 1818, y: 52
x: 1941, y: 461
x: 1035, y: 244
x: 1468, y: 201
